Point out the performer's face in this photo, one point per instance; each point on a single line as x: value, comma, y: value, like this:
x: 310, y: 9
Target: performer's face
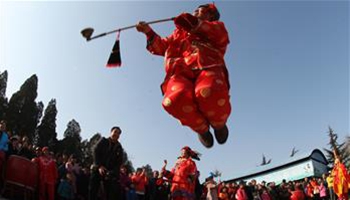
x: 184, y: 153
x: 202, y: 13
x: 336, y: 161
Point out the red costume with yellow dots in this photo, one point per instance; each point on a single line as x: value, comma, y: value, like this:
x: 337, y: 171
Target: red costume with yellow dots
x: 341, y: 180
x: 183, y: 177
x: 196, y: 87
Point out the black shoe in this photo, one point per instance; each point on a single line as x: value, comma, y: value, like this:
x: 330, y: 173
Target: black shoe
x: 221, y: 134
x: 206, y: 139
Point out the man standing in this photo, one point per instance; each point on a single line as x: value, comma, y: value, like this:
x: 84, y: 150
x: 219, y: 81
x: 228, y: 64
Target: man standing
x: 108, y: 158
x: 196, y: 86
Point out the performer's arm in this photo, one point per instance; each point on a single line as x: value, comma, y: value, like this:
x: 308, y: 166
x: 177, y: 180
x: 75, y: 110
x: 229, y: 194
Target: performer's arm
x: 155, y: 44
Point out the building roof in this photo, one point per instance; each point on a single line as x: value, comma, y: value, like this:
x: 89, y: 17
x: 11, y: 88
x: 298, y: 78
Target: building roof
x: 315, y: 155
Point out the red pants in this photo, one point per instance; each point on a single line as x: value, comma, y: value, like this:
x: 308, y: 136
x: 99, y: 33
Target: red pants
x: 47, y: 191
x: 199, y: 100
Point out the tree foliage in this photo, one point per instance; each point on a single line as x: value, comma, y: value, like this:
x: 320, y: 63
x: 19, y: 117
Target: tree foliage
x: 3, y: 99
x: 71, y: 142
x: 23, y: 115
x: 87, y: 147
x: 335, y: 147
x: 23, y: 112
x: 45, y: 134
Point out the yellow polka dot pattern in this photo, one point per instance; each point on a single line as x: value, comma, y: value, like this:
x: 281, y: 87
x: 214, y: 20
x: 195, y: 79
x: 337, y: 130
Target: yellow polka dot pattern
x: 167, y: 102
x: 199, y: 121
x: 187, y: 109
x: 209, y: 73
x: 220, y: 82
x: 221, y: 102
x: 210, y: 113
x: 205, y: 92
x: 175, y: 87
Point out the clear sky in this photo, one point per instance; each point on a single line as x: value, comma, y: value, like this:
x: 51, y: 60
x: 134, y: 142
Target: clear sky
x: 288, y: 63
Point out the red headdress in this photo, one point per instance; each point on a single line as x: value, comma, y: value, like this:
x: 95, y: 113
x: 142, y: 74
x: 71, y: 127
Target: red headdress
x: 212, y: 9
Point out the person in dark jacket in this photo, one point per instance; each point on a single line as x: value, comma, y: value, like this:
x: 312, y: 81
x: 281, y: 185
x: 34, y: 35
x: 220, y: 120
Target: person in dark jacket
x: 108, y: 158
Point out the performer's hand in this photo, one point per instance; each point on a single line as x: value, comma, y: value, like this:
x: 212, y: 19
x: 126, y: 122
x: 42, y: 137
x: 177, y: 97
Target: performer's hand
x: 164, y: 166
x: 102, y: 170
x: 186, y: 21
x: 143, y: 27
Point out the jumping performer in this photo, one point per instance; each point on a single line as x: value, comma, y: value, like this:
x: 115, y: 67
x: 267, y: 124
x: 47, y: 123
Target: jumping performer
x: 196, y: 86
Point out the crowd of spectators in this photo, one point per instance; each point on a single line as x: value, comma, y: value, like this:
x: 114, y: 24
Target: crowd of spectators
x: 73, y: 180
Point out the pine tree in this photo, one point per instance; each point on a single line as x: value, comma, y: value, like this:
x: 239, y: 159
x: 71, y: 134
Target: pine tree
x: 71, y: 142
x: 148, y: 170
x: 3, y: 99
x: 23, y: 112
x: 87, y: 147
x: 340, y: 149
x: 347, y: 145
x: 127, y: 163
x: 45, y: 134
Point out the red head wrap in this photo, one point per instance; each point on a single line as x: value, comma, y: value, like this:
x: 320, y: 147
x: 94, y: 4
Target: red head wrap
x: 212, y: 9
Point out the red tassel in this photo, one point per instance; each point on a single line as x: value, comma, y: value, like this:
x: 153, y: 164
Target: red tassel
x: 115, y: 58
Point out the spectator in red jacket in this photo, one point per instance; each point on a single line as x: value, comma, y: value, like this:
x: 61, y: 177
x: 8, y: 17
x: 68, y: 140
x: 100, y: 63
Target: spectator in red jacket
x: 48, y: 175
x: 298, y: 193
x: 140, y: 181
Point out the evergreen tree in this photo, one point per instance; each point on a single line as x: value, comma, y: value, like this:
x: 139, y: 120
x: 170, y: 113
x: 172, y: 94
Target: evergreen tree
x: 148, y: 170
x: 87, y: 149
x: 128, y: 164
x: 339, y: 149
x: 3, y: 99
x: 23, y: 112
x: 45, y: 134
x: 71, y: 142
x: 347, y: 145
x: 86, y: 158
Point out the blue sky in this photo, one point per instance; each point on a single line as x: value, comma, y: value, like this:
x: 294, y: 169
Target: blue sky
x: 288, y: 63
